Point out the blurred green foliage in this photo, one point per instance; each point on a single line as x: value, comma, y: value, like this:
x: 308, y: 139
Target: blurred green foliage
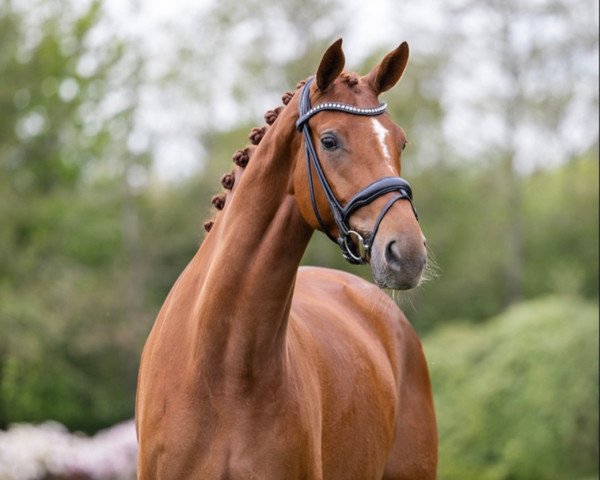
x: 464, y: 223
x: 517, y: 397
x: 66, y: 351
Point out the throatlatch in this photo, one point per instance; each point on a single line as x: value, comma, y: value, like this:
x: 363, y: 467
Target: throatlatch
x: 354, y: 247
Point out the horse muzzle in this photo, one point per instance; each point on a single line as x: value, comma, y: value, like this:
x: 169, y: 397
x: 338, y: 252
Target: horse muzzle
x: 398, y: 263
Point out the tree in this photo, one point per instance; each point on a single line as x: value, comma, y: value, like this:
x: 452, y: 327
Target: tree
x: 56, y: 270
x: 529, y: 68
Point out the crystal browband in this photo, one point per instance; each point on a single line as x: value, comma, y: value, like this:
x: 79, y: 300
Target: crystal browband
x: 341, y: 107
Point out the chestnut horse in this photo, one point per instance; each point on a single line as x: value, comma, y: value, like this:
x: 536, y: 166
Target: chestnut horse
x: 259, y: 369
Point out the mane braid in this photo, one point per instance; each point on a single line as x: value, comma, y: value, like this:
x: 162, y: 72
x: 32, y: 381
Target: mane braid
x: 241, y: 158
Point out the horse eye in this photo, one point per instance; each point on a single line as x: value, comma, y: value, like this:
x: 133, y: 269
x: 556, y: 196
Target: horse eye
x: 404, y: 144
x: 329, y: 142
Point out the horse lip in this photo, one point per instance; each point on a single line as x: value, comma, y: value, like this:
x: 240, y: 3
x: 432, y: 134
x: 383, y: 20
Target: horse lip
x: 399, y: 285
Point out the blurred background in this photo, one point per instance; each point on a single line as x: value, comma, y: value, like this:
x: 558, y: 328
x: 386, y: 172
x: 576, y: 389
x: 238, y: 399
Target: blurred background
x: 118, y: 118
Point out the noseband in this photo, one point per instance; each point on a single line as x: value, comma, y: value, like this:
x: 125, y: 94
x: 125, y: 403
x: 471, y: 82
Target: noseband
x: 355, y: 248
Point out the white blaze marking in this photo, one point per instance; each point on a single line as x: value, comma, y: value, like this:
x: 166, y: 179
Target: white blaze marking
x: 382, y: 133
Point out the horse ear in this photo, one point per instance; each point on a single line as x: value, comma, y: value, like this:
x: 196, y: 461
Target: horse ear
x: 331, y: 65
x: 385, y: 75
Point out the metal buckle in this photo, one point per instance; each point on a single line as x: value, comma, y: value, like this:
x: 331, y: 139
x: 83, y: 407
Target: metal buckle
x: 359, y: 243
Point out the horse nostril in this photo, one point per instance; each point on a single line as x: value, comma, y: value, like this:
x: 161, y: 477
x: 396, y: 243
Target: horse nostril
x: 391, y: 255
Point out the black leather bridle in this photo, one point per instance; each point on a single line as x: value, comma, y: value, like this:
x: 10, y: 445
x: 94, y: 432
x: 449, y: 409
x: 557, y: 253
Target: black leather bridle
x: 355, y: 248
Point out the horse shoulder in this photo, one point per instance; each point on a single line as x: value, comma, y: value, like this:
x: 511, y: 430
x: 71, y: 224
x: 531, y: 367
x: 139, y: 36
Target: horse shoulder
x: 362, y: 357
x: 352, y: 303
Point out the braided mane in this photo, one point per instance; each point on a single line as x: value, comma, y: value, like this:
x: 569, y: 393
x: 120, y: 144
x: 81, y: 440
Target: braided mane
x: 242, y: 157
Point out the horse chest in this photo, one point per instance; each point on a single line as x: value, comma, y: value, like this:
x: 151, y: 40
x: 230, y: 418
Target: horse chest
x: 252, y: 438
x: 278, y: 429
x: 287, y: 442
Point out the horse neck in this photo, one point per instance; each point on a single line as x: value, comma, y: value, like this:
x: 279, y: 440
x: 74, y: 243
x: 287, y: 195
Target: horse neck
x: 250, y: 259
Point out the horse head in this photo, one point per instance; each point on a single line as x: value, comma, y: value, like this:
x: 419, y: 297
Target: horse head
x: 347, y: 171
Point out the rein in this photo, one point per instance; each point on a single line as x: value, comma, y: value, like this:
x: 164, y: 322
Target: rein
x: 355, y: 248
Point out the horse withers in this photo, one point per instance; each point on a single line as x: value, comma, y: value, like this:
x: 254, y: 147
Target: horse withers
x: 258, y: 369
